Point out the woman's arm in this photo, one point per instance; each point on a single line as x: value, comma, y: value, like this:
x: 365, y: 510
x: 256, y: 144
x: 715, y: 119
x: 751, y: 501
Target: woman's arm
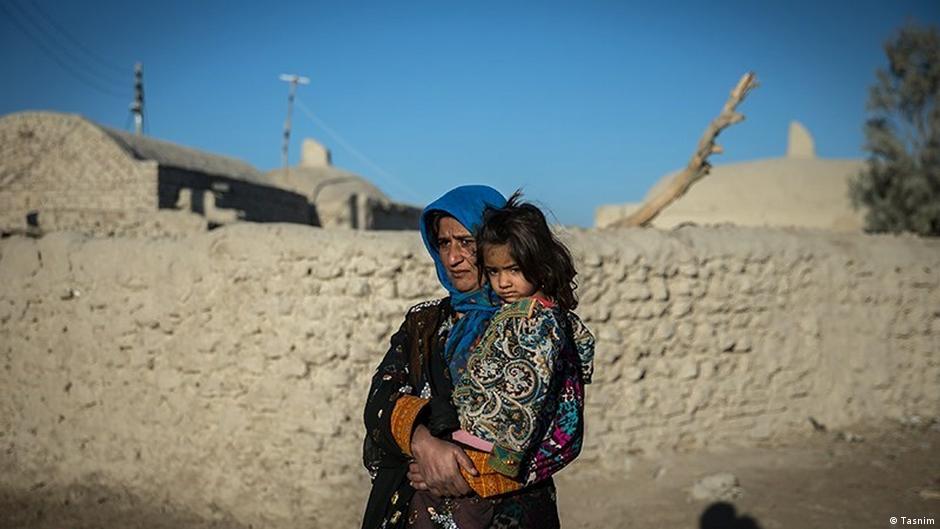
x: 394, y: 419
x: 389, y: 384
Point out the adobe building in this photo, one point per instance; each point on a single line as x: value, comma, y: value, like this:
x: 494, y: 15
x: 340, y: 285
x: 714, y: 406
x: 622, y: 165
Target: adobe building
x: 342, y: 199
x: 64, y: 172
x: 797, y: 190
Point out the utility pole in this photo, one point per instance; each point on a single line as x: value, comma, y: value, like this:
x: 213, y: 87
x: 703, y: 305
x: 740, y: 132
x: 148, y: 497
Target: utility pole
x: 294, y: 80
x: 137, y: 107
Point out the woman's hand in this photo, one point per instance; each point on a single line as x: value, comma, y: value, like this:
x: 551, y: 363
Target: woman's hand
x: 437, y: 465
x: 415, y: 478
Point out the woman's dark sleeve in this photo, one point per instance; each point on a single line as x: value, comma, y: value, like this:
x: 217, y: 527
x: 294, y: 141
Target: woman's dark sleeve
x: 390, y: 389
x: 393, y: 408
x: 441, y: 419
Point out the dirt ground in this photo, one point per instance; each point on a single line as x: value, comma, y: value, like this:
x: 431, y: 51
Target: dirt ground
x: 846, y: 480
x: 831, y: 480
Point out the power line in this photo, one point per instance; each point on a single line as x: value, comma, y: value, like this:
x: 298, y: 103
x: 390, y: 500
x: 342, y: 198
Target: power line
x: 352, y: 150
x: 77, y: 74
x: 105, y: 63
x: 50, y: 36
x: 94, y: 56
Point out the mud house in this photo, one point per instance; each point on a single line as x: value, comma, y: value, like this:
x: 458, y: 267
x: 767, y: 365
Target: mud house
x: 342, y: 199
x: 62, y: 171
x: 798, y: 190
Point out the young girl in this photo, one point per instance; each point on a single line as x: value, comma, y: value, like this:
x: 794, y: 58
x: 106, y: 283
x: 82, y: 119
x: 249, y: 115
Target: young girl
x: 520, y: 397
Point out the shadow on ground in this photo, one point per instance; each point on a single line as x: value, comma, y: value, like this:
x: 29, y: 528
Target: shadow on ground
x: 723, y: 515
x: 88, y: 506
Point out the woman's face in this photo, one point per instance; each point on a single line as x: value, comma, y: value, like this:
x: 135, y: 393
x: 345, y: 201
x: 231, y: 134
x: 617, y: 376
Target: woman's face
x: 504, y: 274
x: 458, y: 251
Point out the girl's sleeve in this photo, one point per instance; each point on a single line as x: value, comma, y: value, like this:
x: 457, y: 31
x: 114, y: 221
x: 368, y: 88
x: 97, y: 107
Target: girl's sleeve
x: 565, y: 436
x: 508, y: 386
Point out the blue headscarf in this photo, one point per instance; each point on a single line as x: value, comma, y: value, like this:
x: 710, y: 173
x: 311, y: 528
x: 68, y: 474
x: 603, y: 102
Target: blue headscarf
x: 466, y: 204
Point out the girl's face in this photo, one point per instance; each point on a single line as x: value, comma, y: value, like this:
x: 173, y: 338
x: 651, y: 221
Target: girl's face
x: 504, y: 274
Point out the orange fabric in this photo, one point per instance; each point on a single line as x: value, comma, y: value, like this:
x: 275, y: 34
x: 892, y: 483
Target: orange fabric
x: 489, y: 482
x: 403, y: 418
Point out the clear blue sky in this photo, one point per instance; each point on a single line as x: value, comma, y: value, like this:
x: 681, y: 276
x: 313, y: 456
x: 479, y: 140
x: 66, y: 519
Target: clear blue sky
x: 579, y: 103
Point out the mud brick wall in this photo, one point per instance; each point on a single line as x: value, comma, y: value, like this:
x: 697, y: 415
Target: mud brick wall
x: 223, y: 374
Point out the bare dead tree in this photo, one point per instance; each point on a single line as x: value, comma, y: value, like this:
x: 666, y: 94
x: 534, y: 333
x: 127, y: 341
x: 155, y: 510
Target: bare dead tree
x: 698, y: 165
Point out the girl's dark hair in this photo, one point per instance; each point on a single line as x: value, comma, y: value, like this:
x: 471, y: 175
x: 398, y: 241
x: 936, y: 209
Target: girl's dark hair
x: 544, y: 260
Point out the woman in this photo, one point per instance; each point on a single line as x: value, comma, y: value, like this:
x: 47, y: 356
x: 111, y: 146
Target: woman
x: 410, y: 393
